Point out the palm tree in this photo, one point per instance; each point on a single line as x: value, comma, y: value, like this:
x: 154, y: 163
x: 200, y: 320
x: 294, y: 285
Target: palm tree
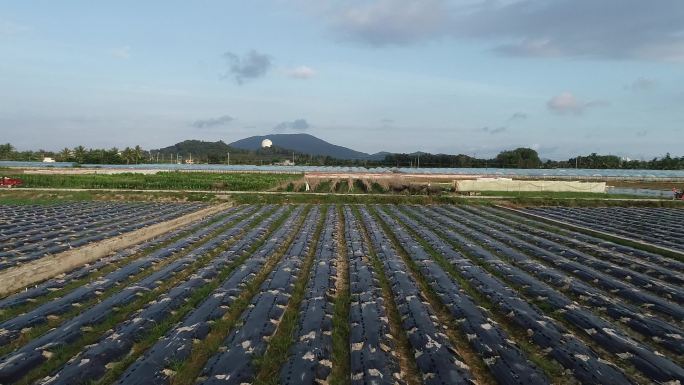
x: 6, y: 151
x: 64, y: 155
x: 79, y: 154
x: 138, y: 154
x: 127, y: 155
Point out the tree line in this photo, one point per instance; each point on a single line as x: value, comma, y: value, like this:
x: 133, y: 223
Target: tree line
x: 78, y: 154
x: 517, y: 158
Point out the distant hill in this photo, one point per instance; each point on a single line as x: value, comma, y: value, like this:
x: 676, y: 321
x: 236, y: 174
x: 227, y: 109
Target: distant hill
x: 198, y: 148
x: 302, y: 143
x: 378, y: 155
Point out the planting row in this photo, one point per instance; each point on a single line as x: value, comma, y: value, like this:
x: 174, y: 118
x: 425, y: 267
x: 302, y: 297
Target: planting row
x: 30, y: 232
x: 355, y: 294
x: 659, y: 226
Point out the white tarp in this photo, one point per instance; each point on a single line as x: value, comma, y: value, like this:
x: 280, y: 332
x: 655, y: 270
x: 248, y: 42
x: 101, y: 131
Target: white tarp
x: 505, y: 184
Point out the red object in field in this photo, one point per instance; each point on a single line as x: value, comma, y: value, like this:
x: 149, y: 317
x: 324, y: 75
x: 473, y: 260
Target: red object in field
x: 10, y: 182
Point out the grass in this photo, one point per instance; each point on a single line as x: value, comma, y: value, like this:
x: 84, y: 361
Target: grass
x: 188, y: 371
x: 403, y: 347
x: 323, y: 187
x: 268, y: 366
x: 342, y: 198
x: 18, y: 197
x: 557, y: 195
x: 30, y: 197
x: 609, y: 201
x: 162, y: 181
x: 341, y: 307
x: 342, y: 186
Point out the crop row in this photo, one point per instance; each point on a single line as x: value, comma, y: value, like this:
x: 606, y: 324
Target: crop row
x: 659, y: 226
x: 416, y: 294
x: 28, y: 233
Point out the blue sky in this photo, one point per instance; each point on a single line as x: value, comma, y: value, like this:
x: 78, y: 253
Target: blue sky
x: 460, y: 76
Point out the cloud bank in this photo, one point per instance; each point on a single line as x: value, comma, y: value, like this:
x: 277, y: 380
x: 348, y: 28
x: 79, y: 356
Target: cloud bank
x: 615, y: 29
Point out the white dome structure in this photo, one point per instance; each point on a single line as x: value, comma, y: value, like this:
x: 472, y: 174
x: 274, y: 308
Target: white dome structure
x: 266, y: 143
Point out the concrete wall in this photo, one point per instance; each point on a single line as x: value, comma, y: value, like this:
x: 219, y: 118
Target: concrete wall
x: 495, y: 184
x: 27, y: 274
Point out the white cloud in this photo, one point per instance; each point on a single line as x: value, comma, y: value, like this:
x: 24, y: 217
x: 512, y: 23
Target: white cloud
x: 121, y: 52
x: 301, y: 72
x: 566, y: 103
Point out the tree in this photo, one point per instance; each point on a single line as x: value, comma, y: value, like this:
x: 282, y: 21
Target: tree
x: 64, y: 155
x: 128, y: 155
x: 518, y: 158
x: 6, y: 151
x: 79, y: 154
x: 137, y: 154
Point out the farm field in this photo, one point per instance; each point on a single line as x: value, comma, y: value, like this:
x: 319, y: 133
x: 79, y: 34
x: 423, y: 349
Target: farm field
x: 346, y: 294
x: 161, y: 181
x: 30, y: 232
x: 658, y: 226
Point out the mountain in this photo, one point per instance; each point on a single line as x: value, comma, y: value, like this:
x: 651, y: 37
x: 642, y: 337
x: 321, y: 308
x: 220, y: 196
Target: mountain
x: 378, y: 155
x: 303, y: 143
x: 198, y: 148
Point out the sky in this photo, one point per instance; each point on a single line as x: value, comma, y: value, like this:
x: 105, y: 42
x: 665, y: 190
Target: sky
x: 564, y: 77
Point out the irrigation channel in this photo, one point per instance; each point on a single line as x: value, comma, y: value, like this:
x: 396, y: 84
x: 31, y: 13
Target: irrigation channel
x: 345, y: 294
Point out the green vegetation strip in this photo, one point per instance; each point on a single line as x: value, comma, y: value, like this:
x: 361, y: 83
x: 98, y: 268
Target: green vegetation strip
x: 53, y: 322
x: 341, y: 308
x: 188, y: 370
x: 406, y: 358
x: 51, y: 196
x: 300, y: 198
x: 195, y: 300
x: 551, y: 367
x: 161, y: 181
x: 10, y: 313
x: 470, y: 357
x: 268, y: 366
x: 94, y: 333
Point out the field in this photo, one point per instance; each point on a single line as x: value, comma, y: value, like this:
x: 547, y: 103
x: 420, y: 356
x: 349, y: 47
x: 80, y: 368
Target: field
x: 28, y: 233
x: 161, y: 181
x: 349, y: 294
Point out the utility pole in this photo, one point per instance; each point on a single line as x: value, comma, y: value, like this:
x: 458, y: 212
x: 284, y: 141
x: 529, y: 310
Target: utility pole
x: 418, y: 161
x: 229, y: 158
